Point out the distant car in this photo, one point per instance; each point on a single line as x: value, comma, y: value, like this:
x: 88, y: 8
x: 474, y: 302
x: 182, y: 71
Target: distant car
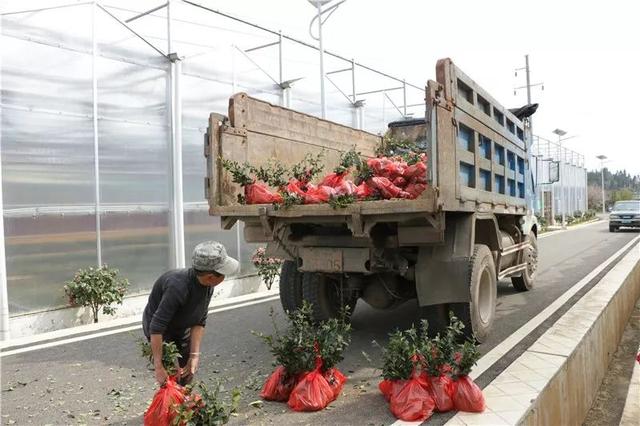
x: 624, y: 214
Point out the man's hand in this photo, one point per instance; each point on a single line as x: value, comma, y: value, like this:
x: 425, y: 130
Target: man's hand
x: 190, y: 369
x: 161, y: 375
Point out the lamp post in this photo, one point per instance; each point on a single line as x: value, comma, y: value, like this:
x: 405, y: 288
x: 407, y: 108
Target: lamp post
x: 560, y: 134
x: 602, y: 158
x: 318, y: 4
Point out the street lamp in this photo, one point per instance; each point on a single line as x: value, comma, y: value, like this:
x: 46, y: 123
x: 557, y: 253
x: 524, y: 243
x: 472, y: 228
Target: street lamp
x: 318, y: 4
x: 560, y: 134
x: 602, y: 158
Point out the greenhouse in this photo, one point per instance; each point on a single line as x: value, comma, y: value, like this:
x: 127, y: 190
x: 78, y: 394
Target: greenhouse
x: 103, y: 124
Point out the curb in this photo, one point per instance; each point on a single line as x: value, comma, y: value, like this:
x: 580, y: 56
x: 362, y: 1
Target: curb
x: 631, y: 412
x: 556, y: 379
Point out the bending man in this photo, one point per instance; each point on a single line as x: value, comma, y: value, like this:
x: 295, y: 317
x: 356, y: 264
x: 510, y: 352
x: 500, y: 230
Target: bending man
x: 178, y: 305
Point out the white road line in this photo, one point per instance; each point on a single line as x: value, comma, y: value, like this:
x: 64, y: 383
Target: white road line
x: 119, y: 330
x: 121, y: 322
x: 510, y: 342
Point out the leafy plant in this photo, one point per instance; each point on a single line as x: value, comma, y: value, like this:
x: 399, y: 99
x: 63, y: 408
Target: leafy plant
x: 333, y: 337
x: 170, y: 355
x: 290, y: 199
x: 273, y: 173
x: 294, y: 349
x: 97, y: 288
x: 308, y: 168
x: 403, y: 148
x: 240, y: 173
x: 465, y: 357
x: 297, y: 348
x: 363, y: 173
x: 438, y: 352
x: 348, y: 159
x: 342, y: 201
x: 268, y: 267
x: 399, y: 354
x: 205, y: 408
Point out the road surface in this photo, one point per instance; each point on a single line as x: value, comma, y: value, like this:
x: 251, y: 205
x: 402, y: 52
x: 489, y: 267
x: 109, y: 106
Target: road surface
x: 105, y: 381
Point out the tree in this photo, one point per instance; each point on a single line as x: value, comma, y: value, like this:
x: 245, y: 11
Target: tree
x: 594, y: 197
x: 96, y: 287
x: 622, y: 195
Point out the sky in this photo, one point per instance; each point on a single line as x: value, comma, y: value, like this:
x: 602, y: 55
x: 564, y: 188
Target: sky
x: 586, y: 53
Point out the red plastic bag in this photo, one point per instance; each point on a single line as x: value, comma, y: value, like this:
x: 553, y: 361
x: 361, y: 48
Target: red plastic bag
x: 346, y: 187
x: 412, y: 402
x: 441, y: 388
x: 258, y: 193
x: 415, y: 189
x: 400, y: 182
x: 387, y: 188
x: 294, y: 187
x: 467, y: 396
x: 364, y: 191
x: 317, y: 195
x: 415, y: 170
x: 386, y: 167
x: 336, y: 381
x: 378, y: 165
x: 312, y: 393
x: 160, y: 412
x: 390, y: 387
x: 332, y: 180
x: 278, y: 386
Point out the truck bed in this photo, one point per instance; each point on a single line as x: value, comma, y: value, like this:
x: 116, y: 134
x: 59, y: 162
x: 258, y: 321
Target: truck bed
x: 256, y: 131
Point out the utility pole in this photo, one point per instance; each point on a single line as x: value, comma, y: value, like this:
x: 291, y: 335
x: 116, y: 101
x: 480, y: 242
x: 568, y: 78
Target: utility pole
x: 329, y: 10
x: 562, y: 170
x: 528, y: 86
x: 602, y: 158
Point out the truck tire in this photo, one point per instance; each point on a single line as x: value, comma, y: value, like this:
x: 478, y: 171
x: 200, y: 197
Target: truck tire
x: 613, y: 228
x: 323, y: 293
x: 525, y: 281
x: 478, y: 314
x: 290, y: 286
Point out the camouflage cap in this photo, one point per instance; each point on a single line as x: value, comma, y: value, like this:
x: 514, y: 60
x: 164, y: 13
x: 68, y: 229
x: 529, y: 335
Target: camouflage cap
x: 212, y: 256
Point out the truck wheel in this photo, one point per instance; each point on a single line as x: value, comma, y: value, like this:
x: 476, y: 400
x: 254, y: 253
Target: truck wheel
x: 290, y: 286
x: 613, y: 228
x: 525, y: 281
x: 324, y: 295
x: 479, y: 314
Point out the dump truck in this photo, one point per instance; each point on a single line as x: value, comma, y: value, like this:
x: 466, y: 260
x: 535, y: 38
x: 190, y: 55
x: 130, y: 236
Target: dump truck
x: 470, y: 228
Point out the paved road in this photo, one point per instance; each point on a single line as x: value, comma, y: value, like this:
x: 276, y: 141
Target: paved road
x: 104, y: 381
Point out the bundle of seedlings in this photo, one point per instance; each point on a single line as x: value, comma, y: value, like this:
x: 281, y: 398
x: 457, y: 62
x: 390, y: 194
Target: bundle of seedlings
x: 306, y: 356
x: 467, y: 396
x: 438, y: 366
x: 170, y: 394
x: 204, y: 407
x: 437, y: 359
x: 255, y: 192
x: 399, y: 171
x: 403, y: 385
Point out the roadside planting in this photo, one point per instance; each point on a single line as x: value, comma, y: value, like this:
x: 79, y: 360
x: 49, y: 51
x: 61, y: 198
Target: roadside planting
x: 422, y: 375
x: 306, y: 375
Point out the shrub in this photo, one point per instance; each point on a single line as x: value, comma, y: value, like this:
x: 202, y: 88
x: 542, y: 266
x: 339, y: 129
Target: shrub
x: 97, y: 288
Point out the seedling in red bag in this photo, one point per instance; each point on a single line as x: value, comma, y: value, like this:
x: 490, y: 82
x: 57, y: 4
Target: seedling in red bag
x: 467, y: 396
x: 204, y: 406
x: 308, y: 168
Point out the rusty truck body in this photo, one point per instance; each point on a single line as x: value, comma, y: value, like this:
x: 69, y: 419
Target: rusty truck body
x: 448, y: 249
